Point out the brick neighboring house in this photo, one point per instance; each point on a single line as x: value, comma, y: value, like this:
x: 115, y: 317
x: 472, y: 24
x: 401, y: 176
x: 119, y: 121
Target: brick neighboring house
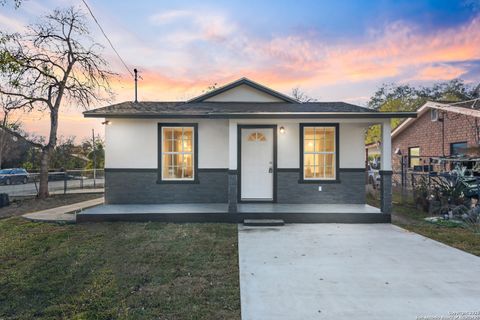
x: 440, y: 130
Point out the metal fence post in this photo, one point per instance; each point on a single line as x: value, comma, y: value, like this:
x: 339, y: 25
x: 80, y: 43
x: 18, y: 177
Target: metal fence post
x: 94, y: 158
x: 478, y: 191
x: 35, y: 182
x: 402, y: 172
x: 65, y: 182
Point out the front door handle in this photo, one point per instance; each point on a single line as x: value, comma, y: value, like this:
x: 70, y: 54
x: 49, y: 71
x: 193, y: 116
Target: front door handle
x: 270, y: 170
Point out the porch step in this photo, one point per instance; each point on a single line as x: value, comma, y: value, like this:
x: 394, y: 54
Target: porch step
x: 263, y: 222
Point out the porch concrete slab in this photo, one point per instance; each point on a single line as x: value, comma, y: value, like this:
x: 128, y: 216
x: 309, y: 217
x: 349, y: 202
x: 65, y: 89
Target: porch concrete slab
x: 352, y: 271
x: 223, y: 208
x: 218, y: 212
x: 158, y: 208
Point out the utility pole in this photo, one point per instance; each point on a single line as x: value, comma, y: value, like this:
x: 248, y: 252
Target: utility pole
x: 94, y: 159
x: 136, y: 82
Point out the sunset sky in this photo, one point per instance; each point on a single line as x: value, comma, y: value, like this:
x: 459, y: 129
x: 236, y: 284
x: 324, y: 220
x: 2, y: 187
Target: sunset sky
x: 333, y: 50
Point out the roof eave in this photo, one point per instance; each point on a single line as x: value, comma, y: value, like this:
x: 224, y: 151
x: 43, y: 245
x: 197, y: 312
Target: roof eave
x: 424, y: 108
x: 263, y: 115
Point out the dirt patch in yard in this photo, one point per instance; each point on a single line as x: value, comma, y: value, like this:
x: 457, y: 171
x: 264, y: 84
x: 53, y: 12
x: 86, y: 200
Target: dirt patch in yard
x: 27, y: 205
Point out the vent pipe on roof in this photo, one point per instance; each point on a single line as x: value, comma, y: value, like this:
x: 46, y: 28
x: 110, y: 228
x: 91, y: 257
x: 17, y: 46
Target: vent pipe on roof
x: 136, y: 81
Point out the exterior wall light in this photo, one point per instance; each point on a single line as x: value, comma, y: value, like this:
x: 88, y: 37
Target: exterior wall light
x: 282, y: 130
x: 107, y: 122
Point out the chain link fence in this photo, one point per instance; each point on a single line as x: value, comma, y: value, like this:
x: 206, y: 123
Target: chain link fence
x: 20, y: 184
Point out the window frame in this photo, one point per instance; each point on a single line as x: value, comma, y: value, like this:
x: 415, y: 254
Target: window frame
x: 459, y: 142
x: 410, y: 157
x: 160, y: 178
x: 302, y: 178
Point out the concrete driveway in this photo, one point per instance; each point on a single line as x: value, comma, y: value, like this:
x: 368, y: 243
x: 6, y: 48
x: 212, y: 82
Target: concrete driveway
x: 352, y: 271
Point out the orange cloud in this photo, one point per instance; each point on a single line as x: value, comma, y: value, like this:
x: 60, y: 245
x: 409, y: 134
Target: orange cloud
x: 397, y: 53
x: 437, y: 73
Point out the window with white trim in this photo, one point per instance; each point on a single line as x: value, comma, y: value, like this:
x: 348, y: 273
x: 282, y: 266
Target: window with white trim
x: 178, y: 153
x: 319, y: 153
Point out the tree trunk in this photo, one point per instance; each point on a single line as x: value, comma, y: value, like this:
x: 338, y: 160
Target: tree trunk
x: 43, y: 189
x: 45, y: 156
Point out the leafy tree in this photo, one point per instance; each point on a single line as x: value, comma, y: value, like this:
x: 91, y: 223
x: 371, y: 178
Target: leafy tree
x: 397, y: 98
x: 54, y: 62
x: 98, y: 154
x: 8, y: 129
x: 67, y: 155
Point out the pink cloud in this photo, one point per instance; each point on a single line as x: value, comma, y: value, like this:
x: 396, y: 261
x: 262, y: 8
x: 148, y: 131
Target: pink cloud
x: 181, y: 70
x: 438, y: 73
x: 395, y: 52
x: 282, y: 62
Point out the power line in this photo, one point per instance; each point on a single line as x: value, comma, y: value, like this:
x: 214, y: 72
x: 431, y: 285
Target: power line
x: 106, y: 37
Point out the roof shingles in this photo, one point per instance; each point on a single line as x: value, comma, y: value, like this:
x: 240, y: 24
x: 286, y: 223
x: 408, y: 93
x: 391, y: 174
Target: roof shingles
x: 151, y: 108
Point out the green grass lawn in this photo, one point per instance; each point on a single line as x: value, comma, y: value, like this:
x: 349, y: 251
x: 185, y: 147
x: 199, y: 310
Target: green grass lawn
x: 409, y: 217
x: 118, y: 271
x: 456, y: 237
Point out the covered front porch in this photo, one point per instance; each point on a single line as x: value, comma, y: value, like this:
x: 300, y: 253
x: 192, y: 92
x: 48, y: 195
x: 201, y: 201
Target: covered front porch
x: 219, y: 212
x: 292, y: 190
x: 277, y: 186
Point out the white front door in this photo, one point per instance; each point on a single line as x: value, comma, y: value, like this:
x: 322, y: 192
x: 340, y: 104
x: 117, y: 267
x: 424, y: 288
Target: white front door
x: 257, y: 167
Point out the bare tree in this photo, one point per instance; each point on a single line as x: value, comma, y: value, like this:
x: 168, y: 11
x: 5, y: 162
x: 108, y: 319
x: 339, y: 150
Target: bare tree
x: 301, y: 96
x: 16, y: 3
x: 53, y: 63
x: 210, y: 88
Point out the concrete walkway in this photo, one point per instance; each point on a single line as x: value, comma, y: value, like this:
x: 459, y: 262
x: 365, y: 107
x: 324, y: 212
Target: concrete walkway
x: 64, y: 214
x: 352, y: 271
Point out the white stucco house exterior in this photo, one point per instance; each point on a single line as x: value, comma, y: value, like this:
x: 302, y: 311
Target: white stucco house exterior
x: 242, y: 144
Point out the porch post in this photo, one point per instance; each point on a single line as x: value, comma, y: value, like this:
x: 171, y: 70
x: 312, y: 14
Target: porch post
x: 386, y: 169
x: 232, y: 167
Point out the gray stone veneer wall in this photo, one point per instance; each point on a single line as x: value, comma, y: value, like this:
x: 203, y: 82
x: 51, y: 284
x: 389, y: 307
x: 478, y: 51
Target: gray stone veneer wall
x: 232, y: 190
x: 139, y: 186
x: 386, y: 191
x: 129, y: 186
x: 350, y: 189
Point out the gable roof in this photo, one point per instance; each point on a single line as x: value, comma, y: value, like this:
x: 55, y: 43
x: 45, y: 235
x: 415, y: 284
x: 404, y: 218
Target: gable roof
x: 239, y: 82
x: 457, y: 107
x: 280, y: 106
x: 154, y: 109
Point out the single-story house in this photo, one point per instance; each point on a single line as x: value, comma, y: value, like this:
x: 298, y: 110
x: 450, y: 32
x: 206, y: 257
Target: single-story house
x: 245, y: 147
x: 439, y: 135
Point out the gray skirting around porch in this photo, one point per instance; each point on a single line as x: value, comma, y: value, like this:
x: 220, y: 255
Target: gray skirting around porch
x: 218, y: 212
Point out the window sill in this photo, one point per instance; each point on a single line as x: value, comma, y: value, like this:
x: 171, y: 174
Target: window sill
x: 178, y: 181
x: 303, y: 181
